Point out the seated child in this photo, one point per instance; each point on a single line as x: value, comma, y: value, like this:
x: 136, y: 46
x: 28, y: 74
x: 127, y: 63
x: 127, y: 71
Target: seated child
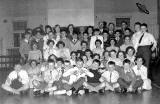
x: 128, y: 81
x: 76, y: 77
x: 17, y: 81
x: 93, y: 84
x: 109, y: 77
x: 141, y: 73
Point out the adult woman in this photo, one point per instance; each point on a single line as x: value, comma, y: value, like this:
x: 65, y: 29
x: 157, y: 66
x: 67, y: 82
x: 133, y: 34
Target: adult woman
x: 35, y: 54
x: 112, y: 45
x: 62, y: 51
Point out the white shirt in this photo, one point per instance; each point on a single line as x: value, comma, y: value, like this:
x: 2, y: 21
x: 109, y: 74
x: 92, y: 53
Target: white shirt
x: 142, y: 72
x: 49, y: 51
x: 23, y: 75
x: 148, y: 39
x: 111, y: 76
x: 93, y: 39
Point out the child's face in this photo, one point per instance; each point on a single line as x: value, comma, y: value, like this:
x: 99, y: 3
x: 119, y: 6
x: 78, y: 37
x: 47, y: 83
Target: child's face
x: 50, y: 35
x: 18, y: 68
x: 111, y: 67
x: 95, y: 65
x: 84, y: 58
x: 84, y: 46
x: 98, y: 44
x: 96, y: 57
x: 117, y: 34
x: 113, y: 55
x: 33, y: 64
x: 51, y: 65
x: 57, y: 29
x: 139, y: 61
x: 130, y: 52
x: 75, y: 36
x: 96, y: 33
x: 70, y: 28
x: 59, y: 64
x: 73, y: 56
x: 127, y: 32
x: 85, y: 35
x: 121, y: 56
x: 126, y: 66
x: 79, y: 64
x: 105, y: 35
x: 127, y: 40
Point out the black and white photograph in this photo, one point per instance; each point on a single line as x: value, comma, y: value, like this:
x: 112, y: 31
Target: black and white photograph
x: 79, y: 51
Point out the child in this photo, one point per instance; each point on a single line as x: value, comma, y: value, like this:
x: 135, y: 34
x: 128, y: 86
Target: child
x: 113, y: 57
x: 94, y: 38
x: 141, y: 73
x: 73, y: 58
x: 98, y: 48
x: 17, y: 78
x: 109, y: 77
x: 128, y: 81
x: 77, y: 76
x: 93, y: 84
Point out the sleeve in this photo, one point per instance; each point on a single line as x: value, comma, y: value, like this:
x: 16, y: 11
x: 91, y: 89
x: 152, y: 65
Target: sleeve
x: 24, y: 77
x: 153, y: 41
x: 12, y: 75
x: 116, y: 76
x: 92, y: 43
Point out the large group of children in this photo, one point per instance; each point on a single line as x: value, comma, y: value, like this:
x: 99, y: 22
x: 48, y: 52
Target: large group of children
x: 55, y: 61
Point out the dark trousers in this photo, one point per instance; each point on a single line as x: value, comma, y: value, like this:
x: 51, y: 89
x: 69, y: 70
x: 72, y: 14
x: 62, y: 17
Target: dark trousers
x: 126, y: 84
x: 145, y: 52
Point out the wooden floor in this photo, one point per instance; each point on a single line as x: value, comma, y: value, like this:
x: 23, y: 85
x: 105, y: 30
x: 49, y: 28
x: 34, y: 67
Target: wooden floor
x: 147, y: 97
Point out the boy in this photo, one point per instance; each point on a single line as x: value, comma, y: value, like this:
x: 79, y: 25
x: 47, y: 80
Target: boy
x: 109, y: 78
x: 93, y: 84
x: 141, y: 73
x: 98, y: 48
x: 128, y: 81
x: 17, y: 78
x: 77, y: 76
x: 94, y: 38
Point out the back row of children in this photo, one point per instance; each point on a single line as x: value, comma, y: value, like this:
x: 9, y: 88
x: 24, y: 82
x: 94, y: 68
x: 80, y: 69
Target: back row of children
x: 59, y: 77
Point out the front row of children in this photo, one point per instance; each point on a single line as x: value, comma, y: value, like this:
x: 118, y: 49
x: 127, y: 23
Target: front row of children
x: 57, y: 78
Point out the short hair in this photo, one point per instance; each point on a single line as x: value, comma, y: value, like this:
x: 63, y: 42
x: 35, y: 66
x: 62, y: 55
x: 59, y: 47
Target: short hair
x: 128, y: 29
x: 130, y: 47
x: 144, y: 24
x: 137, y: 23
x: 70, y: 25
x: 105, y: 31
x: 97, y: 61
x: 57, y: 25
x: 33, y: 61
x: 124, y: 22
x: 88, y: 28
x: 96, y: 30
x: 51, y: 61
x: 96, y: 54
x: 124, y: 54
x: 61, y: 60
x: 113, y: 40
x: 88, y: 50
x: 105, y: 52
x: 51, y: 56
x: 79, y: 60
x: 112, y: 51
x: 83, y: 56
x: 83, y: 42
x: 50, y: 41
x: 48, y: 26
x: 73, y: 52
x: 126, y: 61
x: 60, y: 42
x: 98, y: 40
x: 140, y: 57
x: 111, y: 63
x: 111, y: 23
x: 127, y: 36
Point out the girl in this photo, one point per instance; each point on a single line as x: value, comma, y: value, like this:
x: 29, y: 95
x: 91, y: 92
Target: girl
x: 35, y: 54
x: 112, y: 45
